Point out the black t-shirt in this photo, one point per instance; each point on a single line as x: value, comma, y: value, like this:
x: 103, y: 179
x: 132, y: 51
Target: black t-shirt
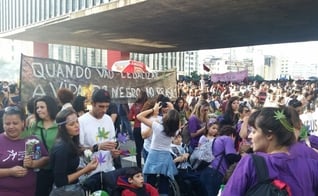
x: 64, y: 162
x: 113, y: 109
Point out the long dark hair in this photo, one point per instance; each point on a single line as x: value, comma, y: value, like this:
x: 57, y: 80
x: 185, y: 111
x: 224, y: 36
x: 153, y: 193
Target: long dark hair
x: 62, y: 134
x: 142, y: 97
x: 265, y: 119
x: 171, y: 122
x: 176, y: 105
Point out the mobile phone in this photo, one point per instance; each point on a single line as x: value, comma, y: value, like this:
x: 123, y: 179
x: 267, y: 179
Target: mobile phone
x: 117, y: 145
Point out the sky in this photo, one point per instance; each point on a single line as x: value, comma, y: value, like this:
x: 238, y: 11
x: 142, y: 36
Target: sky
x: 304, y: 51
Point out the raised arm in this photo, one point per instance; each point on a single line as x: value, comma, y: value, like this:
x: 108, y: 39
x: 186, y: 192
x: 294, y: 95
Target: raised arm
x: 142, y: 116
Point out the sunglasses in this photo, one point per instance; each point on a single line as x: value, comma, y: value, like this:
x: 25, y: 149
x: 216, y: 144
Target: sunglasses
x: 12, y: 109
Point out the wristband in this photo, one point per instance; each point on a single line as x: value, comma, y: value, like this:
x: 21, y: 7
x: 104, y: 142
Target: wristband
x: 95, y: 148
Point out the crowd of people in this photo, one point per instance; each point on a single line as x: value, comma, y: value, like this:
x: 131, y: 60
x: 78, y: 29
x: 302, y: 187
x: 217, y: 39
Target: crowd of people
x: 276, y: 121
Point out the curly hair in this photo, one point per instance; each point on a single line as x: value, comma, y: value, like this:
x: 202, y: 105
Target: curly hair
x: 51, y: 106
x: 65, y: 95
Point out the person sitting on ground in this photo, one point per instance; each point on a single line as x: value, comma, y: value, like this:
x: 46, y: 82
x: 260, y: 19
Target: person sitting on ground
x: 188, y: 180
x: 210, y: 133
x: 133, y: 184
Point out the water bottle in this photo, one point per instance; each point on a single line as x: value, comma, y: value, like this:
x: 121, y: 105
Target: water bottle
x: 37, y: 155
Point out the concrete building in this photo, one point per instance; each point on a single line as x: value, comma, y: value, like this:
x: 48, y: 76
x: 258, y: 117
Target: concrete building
x: 296, y: 69
x: 184, y: 62
x: 79, y: 55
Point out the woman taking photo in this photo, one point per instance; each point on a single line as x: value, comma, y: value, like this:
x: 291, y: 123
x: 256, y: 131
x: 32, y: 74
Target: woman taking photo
x: 159, y: 160
x: 17, y: 175
x: 65, y: 154
x: 271, y: 138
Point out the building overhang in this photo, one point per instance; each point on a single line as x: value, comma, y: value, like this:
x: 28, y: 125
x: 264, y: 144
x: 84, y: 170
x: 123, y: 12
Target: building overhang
x: 151, y: 26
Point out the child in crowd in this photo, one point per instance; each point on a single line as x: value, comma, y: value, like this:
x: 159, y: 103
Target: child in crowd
x: 133, y: 184
x: 180, y: 153
x: 210, y: 132
x: 187, y: 179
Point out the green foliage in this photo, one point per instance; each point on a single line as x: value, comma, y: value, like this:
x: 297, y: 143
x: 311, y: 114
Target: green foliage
x: 195, y: 76
x: 257, y: 78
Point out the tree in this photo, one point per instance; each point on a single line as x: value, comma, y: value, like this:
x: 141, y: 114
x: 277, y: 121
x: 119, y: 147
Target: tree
x: 259, y: 78
x: 195, y: 76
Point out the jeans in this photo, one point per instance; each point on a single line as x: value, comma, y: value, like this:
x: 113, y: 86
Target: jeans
x: 126, y: 126
x: 139, y: 142
x: 189, y: 182
x: 161, y: 182
x: 145, y: 155
x: 211, y: 180
x: 44, y: 182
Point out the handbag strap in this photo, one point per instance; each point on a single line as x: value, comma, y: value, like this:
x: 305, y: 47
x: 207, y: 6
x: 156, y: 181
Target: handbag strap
x: 222, y: 156
x: 261, y: 168
x: 43, y: 139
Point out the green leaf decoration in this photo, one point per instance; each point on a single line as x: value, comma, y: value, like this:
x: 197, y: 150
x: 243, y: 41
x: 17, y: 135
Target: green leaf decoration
x: 102, y: 133
x: 303, y: 133
x: 132, y: 151
x: 279, y: 115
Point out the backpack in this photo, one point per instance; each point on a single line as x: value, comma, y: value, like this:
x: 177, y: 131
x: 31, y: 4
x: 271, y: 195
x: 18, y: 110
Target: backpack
x: 202, y: 156
x: 266, y: 186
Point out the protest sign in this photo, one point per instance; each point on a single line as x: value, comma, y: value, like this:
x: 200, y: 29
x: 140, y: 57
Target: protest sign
x: 42, y: 76
x: 230, y: 76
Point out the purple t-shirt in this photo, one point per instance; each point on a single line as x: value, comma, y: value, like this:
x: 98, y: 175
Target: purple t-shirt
x: 223, y: 145
x: 12, y: 154
x: 299, y: 173
x: 300, y: 149
x: 313, y: 141
x: 194, y: 126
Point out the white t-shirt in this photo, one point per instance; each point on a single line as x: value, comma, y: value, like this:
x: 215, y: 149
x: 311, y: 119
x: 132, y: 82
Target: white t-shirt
x: 159, y: 139
x: 147, y: 141
x: 95, y: 131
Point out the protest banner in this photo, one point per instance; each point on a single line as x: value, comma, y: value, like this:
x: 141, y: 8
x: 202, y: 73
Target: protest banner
x: 230, y: 76
x: 42, y: 76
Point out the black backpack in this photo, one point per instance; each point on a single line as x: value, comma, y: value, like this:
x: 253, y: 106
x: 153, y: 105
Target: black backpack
x: 266, y: 186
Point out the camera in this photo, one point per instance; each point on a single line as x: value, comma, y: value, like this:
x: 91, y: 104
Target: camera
x: 163, y: 104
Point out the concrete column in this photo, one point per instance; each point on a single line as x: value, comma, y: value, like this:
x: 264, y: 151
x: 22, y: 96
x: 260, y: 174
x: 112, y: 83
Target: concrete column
x: 40, y: 50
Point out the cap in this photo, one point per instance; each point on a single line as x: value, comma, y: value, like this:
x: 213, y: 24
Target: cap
x: 101, y: 96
